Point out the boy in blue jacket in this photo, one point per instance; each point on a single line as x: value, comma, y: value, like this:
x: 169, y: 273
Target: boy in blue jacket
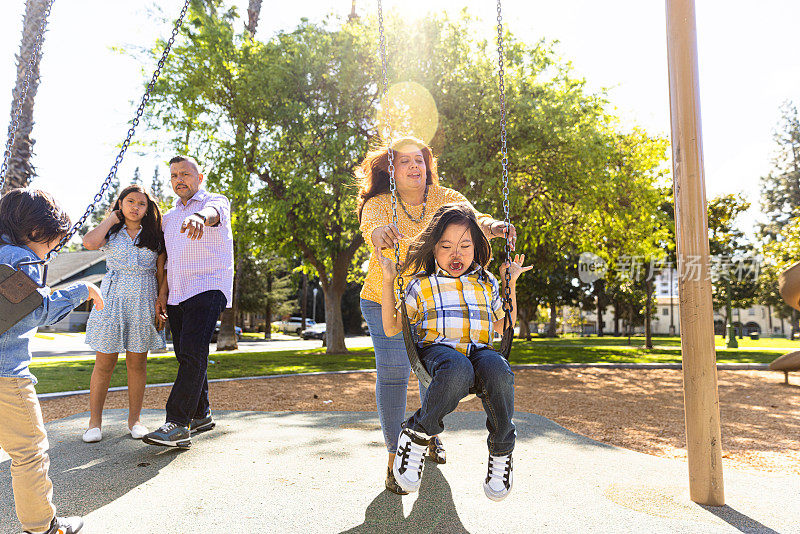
x: 31, y: 225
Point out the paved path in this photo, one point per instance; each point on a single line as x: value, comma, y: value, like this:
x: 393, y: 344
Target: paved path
x: 73, y: 345
x: 322, y: 472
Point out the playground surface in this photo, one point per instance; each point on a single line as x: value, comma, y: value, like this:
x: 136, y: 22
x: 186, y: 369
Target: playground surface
x: 637, y: 409
x: 322, y: 472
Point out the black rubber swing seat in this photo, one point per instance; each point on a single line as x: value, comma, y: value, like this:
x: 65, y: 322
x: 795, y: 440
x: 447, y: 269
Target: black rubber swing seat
x: 413, y: 351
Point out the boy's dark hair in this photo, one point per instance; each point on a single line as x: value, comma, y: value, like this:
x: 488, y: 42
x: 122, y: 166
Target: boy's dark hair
x: 152, y: 236
x: 420, y: 253
x: 31, y: 216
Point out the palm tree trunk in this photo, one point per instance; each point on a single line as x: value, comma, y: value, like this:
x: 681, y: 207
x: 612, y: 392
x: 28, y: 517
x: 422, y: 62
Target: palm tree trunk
x: 20, y: 169
x: 253, y: 14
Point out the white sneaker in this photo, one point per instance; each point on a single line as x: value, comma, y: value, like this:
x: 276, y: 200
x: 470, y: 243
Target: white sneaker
x: 138, y: 431
x: 93, y: 435
x: 410, y: 459
x: 500, y: 477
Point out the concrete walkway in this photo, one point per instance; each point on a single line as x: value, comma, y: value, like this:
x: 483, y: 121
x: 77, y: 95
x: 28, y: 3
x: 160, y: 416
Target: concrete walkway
x: 50, y: 345
x: 322, y: 472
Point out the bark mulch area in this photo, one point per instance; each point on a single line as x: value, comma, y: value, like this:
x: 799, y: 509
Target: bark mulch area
x: 636, y: 409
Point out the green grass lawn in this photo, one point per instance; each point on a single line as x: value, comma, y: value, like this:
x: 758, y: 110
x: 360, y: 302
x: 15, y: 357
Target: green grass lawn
x: 67, y: 374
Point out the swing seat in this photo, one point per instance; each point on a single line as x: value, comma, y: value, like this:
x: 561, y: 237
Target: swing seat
x: 18, y: 296
x: 416, y: 362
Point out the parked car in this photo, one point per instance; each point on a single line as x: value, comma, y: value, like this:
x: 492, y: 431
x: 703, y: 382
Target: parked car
x: 216, y: 332
x: 294, y: 325
x: 315, y: 331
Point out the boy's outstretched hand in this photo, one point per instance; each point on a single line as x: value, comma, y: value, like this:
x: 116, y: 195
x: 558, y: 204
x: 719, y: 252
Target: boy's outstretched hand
x: 95, y: 296
x: 516, y: 268
x: 388, y: 268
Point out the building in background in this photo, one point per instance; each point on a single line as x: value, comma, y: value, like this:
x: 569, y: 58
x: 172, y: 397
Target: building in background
x: 757, y: 319
x: 68, y: 268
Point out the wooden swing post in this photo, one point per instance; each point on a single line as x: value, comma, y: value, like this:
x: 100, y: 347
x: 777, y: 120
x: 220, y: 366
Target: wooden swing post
x: 701, y: 397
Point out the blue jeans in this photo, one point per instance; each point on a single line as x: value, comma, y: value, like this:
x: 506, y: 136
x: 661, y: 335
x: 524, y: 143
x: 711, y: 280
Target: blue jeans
x: 192, y: 323
x: 391, y: 362
x: 452, y: 375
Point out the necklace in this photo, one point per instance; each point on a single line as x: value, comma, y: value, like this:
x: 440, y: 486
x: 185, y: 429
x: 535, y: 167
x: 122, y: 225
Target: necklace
x: 424, y: 205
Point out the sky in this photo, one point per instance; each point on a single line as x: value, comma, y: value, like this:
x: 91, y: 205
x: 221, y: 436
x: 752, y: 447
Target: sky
x: 89, y: 89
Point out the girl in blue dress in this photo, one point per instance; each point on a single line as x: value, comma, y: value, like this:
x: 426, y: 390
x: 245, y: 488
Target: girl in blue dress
x: 132, y: 237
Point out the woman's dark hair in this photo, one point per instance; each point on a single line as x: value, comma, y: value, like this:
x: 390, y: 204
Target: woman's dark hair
x: 31, y: 216
x: 152, y: 236
x: 420, y: 256
x: 373, y: 172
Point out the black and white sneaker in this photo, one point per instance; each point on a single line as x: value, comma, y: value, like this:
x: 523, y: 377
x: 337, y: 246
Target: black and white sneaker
x: 201, y: 424
x: 500, y: 477
x: 64, y: 525
x: 410, y: 459
x: 170, y: 435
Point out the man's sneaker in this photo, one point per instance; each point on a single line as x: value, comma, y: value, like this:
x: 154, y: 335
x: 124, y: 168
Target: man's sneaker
x: 410, y: 459
x: 170, y: 435
x: 201, y: 424
x: 64, y: 525
x: 500, y: 477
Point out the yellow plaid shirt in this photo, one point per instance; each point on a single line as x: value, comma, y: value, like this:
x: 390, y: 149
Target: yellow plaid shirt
x: 454, y: 311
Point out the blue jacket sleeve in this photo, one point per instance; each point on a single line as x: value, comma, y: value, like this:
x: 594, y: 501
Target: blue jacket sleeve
x: 56, y: 305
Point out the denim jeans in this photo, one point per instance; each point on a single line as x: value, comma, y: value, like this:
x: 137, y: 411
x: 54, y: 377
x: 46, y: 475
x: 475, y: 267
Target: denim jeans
x: 452, y: 375
x: 192, y: 323
x: 391, y: 386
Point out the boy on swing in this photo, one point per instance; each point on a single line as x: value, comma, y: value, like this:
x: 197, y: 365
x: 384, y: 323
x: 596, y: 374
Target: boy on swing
x: 455, y: 305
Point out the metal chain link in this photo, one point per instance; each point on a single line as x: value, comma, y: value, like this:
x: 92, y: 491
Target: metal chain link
x: 392, y: 181
x: 113, y: 172
x: 504, y: 153
x: 17, y: 112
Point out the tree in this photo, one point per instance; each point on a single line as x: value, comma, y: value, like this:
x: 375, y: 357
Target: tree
x: 318, y: 135
x: 157, y: 190
x: 780, y: 189
x: 137, y: 177
x: 103, y: 207
x: 628, y: 226
x: 209, y: 97
x: 20, y: 168
x: 780, y: 254
x: 729, y: 249
x: 265, y: 287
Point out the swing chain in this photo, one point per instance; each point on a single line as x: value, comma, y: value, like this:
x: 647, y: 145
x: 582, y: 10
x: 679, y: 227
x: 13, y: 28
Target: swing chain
x: 17, y: 113
x: 504, y: 153
x: 390, y: 151
x: 113, y: 172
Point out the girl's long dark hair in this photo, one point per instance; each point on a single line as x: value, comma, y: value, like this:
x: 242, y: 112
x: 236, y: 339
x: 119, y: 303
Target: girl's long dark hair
x: 373, y: 172
x: 31, y: 216
x: 420, y: 256
x: 151, y: 236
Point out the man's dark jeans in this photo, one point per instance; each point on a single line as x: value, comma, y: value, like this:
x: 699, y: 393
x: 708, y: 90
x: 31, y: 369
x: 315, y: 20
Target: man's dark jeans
x: 192, y: 323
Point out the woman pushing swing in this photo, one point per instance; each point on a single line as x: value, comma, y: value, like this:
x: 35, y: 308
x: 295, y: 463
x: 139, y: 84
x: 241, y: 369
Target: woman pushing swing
x: 455, y: 306
x: 419, y: 195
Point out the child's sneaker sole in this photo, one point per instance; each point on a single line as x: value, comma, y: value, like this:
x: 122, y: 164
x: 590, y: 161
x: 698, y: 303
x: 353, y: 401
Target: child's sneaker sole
x: 496, y: 496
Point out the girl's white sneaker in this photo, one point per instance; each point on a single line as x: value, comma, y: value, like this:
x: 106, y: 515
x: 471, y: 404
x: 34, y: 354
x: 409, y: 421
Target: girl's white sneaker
x: 138, y: 431
x: 93, y: 435
x: 500, y: 477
